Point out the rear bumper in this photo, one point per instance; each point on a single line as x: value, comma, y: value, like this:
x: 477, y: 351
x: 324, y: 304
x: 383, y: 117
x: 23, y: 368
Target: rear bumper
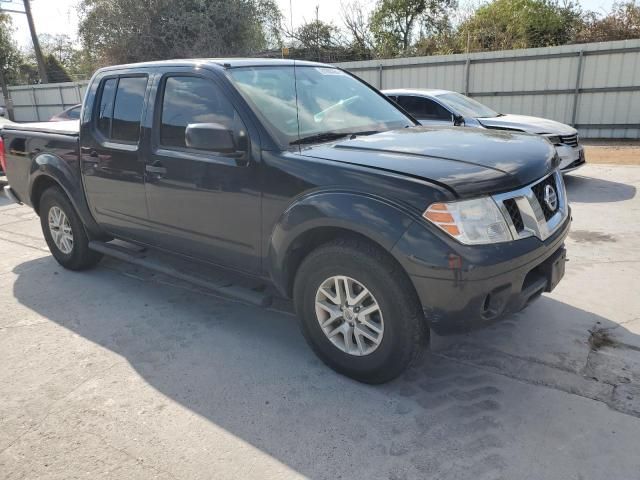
x: 481, y: 285
x: 10, y: 194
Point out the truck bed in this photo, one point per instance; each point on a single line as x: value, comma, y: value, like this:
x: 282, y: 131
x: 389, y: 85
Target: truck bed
x: 42, y: 147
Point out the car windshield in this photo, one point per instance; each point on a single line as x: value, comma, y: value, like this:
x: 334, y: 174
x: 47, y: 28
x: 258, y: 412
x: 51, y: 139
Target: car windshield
x: 307, y: 104
x: 465, y: 106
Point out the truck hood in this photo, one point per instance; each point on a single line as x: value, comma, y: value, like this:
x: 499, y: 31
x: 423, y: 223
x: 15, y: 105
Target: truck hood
x: 528, y: 124
x: 468, y: 161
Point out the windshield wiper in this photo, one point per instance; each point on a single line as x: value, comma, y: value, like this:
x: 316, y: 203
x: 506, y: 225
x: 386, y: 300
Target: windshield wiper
x: 320, y: 137
x: 366, y: 132
x: 328, y: 136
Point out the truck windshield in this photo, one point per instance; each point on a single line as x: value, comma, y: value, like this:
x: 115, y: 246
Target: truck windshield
x: 308, y: 104
x: 465, y: 106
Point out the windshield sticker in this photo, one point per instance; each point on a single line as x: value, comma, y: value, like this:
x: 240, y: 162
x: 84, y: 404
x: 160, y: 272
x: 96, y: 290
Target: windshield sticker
x: 329, y: 71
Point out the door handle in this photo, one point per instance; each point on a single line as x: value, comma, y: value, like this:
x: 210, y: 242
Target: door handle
x: 89, y: 151
x: 156, y: 169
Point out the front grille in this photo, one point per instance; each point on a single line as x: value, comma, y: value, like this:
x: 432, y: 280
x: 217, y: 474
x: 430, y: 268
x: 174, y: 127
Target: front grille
x: 514, y: 212
x: 571, y: 140
x: 538, y: 191
x: 526, y: 211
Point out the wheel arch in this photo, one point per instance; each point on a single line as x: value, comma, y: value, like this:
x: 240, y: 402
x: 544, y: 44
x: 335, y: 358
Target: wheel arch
x: 49, y: 170
x: 322, y: 218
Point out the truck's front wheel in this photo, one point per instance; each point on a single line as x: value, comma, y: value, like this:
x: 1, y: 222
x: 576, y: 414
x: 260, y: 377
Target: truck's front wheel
x: 64, y: 232
x: 358, y: 311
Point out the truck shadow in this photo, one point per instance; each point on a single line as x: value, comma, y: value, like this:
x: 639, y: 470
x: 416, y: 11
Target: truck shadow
x: 586, y: 189
x: 248, y: 371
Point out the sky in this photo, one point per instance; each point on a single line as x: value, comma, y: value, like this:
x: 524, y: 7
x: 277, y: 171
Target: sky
x: 59, y: 16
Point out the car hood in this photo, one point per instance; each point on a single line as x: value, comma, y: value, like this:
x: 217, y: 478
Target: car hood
x: 528, y: 124
x: 468, y: 161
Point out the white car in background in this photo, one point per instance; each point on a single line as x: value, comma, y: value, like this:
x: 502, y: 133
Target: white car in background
x: 444, y: 107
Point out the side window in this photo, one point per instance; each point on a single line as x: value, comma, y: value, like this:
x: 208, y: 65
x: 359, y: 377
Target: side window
x: 105, y: 109
x: 74, y: 113
x: 120, y: 108
x: 127, y: 111
x: 440, y: 112
x: 192, y: 100
x: 424, y: 108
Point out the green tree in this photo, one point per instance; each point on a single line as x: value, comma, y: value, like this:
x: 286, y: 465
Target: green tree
x: 121, y: 31
x: 76, y: 62
x: 393, y: 22
x: 55, y: 70
x: 316, y: 34
x: 10, y: 60
x: 10, y: 57
x: 508, y: 24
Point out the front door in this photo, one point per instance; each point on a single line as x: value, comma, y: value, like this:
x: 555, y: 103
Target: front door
x: 111, y: 159
x: 202, y: 203
x: 425, y: 110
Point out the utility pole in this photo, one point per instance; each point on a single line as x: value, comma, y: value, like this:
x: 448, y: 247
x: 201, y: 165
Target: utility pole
x: 8, y: 103
x: 42, y: 70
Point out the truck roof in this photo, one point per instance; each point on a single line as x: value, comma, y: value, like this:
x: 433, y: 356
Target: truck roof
x: 221, y: 62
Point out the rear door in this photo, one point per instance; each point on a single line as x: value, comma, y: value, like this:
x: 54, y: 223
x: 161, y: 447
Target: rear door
x: 425, y: 110
x: 202, y: 203
x: 111, y: 155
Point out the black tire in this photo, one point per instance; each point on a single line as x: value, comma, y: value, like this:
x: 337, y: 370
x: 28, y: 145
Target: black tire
x: 80, y: 257
x: 405, y: 330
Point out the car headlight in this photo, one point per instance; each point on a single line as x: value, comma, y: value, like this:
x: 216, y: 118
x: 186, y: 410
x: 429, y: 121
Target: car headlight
x: 472, y: 222
x: 554, y: 139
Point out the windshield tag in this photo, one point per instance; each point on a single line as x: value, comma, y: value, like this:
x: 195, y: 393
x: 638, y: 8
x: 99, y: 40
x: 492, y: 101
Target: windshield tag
x: 329, y: 71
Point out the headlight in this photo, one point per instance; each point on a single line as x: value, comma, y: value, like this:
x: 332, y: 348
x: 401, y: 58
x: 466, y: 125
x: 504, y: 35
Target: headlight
x: 554, y: 139
x: 477, y: 221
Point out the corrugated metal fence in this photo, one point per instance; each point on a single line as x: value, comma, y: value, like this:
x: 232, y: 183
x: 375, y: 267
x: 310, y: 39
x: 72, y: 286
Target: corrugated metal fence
x: 32, y: 103
x: 594, y: 86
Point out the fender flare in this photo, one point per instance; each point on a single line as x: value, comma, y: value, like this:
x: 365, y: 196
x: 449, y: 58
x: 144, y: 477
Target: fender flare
x: 366, y: 215
x: 50, y: 167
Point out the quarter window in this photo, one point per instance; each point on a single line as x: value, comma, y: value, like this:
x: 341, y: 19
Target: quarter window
x: 192, y: 100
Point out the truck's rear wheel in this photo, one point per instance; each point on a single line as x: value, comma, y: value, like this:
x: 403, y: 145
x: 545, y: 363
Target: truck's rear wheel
x: 358, y: 311
x: 64, y: 232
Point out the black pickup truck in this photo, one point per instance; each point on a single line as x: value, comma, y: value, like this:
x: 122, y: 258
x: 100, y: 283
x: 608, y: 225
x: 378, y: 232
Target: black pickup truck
x: 303, y: 175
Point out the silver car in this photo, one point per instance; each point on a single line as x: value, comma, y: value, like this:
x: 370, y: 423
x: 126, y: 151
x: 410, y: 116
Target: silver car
x: 444, y: 107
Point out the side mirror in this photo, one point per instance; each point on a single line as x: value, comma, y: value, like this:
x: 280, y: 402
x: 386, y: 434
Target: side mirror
x: 213, y: 137
x: 457, y: 120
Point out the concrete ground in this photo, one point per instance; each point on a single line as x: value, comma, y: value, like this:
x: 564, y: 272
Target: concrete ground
x: 121, y: 373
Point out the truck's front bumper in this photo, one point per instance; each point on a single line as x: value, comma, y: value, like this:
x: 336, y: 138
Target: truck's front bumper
x: 478, y: 285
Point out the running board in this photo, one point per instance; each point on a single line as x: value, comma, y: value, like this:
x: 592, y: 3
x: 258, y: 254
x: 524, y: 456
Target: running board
x: 138, y: 257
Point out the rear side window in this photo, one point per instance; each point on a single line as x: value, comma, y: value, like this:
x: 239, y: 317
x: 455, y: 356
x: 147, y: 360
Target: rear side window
x: 120, y: 109
x: 424, y: 108
x: 192, y: 100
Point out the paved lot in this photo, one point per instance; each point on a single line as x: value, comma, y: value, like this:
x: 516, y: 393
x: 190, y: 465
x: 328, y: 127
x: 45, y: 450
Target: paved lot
x: 119, y: 373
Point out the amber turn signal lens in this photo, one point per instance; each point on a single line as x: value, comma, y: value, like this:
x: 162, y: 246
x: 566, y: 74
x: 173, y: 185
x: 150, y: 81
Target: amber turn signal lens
x: 438, y: 213
x: 439, y: 217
